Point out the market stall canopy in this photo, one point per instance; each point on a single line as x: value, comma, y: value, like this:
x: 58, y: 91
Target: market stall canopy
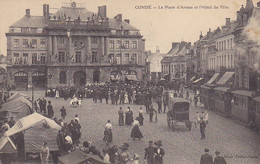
x: 198, y: 80
x: 17, y: 102
x: 222, y: 89
x: 77, y: 157
x: 16, y: 112
x: 9, y: 146
x: 17, y: 95
x: 243, y: 92
x: 26, y: 123
x: 213, y: 78
x: 257, y: 99
x: 34, y: 137
x: 225, y: 78
x: 131, y: 77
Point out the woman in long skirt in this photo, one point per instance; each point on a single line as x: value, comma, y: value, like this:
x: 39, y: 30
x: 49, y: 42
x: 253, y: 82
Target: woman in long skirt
x: 136, y: 133
x: 141, y: 117
x: 121, y: 117
x: 108, y: 135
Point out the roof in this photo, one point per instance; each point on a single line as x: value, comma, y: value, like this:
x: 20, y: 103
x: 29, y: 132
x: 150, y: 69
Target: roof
x: 74, y: 13
x: 213, y: 78
x: 225, y: 78
x: 31, y: 21
x: 230, y: 30
x: 116, y: 25
x: 243, y: 92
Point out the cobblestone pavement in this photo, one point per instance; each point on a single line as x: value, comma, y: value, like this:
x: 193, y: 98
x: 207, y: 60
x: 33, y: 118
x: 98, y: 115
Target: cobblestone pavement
x: 237, y: 143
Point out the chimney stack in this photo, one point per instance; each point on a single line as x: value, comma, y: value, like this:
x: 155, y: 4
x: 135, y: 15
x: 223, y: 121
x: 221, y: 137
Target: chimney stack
x: 227, y: 21
x: 27, y: 11
x: 118, y: 17
x: 127, y: 21
x: 47, y: 11
x: 44, y: 9
x: 102, y: 11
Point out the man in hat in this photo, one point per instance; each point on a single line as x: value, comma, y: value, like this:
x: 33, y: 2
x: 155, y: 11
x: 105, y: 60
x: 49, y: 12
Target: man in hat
x: 206, y: 158
x: 158, y: 153
x: 202, y: 128
x: 149, y: 153
x: 50, y: 110
x: 219, y: 159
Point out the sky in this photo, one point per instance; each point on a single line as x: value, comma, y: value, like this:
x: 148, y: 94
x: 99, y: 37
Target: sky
x: 159, y: 27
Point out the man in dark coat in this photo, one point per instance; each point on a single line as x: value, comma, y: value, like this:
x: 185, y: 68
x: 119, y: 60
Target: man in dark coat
x: 158, y: 153
x: 63, y: 112
x: 40, y: 104
x: 202, y: 128
x: 219, y: 159
x: 44, y: 103
x: 206, y: 158
x: 50, y: 110
x: 159, y: 102
x: 149, y: 153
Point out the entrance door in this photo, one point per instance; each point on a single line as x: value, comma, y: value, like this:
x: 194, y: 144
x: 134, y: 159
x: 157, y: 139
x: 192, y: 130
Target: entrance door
x: 39, y: 79
x: 79, y: 78
x: 96, y: 76
x: 21, y: 80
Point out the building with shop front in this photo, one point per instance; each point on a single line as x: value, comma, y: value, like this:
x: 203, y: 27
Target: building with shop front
x: 73, y: 46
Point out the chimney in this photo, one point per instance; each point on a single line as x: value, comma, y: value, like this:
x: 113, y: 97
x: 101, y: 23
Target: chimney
x: 47, y: 11
x: 102, y: 11
x: 201, y: 36
x: 118, y: 17
x: 175, y: 44
x: 127, y: 21
x: 227, y: 21
x: 258, y: 4
x: 27, y: 11
x: 44, y: 9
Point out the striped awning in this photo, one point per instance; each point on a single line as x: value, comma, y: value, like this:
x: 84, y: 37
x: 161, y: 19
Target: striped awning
x: 225, y: 78
x: 213, y: 78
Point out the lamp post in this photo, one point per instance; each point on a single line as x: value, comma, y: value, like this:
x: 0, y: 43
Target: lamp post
x: 121, y: 59
x: 69, y: 36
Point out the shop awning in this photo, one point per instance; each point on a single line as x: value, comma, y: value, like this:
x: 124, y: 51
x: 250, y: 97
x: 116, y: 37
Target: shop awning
x: 257, y: 99
x: 198, y: 80
x: 222, y: 89
x: 243, y: 92
x: 131, y: 77
x: 213, y: 78
x: 204, y: 87
x: 192, y: 78
x: 225, y: 78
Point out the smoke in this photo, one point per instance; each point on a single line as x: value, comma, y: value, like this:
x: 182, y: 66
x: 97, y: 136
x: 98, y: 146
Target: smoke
x: 252, y: 35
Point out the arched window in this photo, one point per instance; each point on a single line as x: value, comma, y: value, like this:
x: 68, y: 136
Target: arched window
x: 63, y: 77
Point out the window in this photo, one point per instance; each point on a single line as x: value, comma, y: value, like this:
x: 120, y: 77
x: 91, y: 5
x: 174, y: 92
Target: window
x: 134, y: 44
x: 134, y: 58
x: 16, y: 58
x: 25, y: 58
x: 34, y: 43
x: 25, y: 43
x: 111, y: 58
x: 231, y: 43
x: 126, y: 32
x: 94, y: 40
x: 16, y: 43
x: 61, y: 56
x: 231, y: 61
x: 33, y: 30
x: 118, y: 32
x: 43, y: 58
x: 118, y: 45
x: 78, y: 56
x: 25, y: 30
x: 228, y: 44
x: 118, y: 58
x: 42, y: 43
x: 61, y: 40
x: 111, y: 44
x: 34, y: 58
x: 94, y: 57
x: 63, y: 77
x: 126, y: 45
x: 126, y: 58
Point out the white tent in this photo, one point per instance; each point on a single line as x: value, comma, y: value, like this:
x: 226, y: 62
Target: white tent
x: 16, y: 101
x: 26, y: 123
x: 17, y: 94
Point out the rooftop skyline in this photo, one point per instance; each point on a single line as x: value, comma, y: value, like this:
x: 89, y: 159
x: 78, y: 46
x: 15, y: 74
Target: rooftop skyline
x: 160, y: 27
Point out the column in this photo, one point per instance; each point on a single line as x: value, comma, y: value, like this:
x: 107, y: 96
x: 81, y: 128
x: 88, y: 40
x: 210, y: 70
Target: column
x: 102, y: 48
x: 50, y: 47
x: 88, y: 47
x: 55, y: 44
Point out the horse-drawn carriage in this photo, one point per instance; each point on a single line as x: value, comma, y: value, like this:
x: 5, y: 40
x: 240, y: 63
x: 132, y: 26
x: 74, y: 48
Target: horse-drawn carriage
x: 178, y: 113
